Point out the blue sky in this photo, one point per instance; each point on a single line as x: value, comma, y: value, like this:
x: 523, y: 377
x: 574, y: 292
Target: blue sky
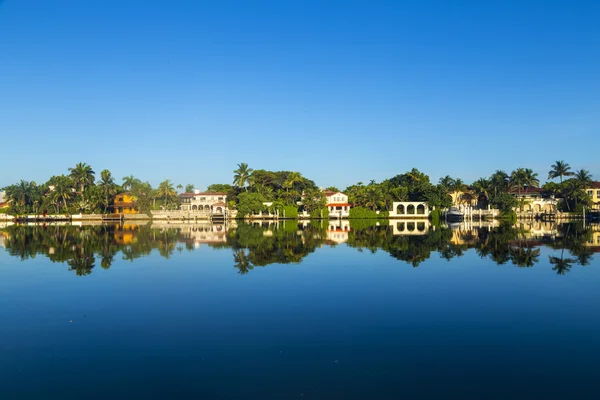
x: 342, y: 91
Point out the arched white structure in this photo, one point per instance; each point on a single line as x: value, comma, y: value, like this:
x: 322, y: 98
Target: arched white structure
x: 409, y: 209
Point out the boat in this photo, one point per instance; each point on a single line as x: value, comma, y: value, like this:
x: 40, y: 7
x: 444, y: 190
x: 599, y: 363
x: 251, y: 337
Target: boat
x: 454, y: 214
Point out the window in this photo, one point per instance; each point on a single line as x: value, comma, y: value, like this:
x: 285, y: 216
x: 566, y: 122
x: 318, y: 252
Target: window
x: 598, y: 194
x: 590, y: 193
x: 202, y: 198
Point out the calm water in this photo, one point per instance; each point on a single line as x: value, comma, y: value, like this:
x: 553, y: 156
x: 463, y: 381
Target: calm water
x: 399, y: 310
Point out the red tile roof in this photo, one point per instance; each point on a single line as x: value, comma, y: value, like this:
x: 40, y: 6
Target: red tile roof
x: 527, y: 190
x: 202, y: 194
x: 596, y: 185
x: 338, y: 204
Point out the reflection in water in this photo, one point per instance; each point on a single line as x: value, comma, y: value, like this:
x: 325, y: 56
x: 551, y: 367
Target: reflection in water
x: 263, y: 243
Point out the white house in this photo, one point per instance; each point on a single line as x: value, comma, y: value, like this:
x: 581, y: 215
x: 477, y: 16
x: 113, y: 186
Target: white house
x: 207, y: 202
x: 337, y: 204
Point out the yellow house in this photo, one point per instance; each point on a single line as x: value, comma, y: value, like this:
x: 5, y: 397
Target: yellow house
x: 124, y: 204
x: 594, y: 192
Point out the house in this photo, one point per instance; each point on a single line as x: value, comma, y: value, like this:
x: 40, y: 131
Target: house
x: 593, y: 191
x: 205, y: 202
x: 337, y: 204
x: 3, y: 200
x: 124, y: 203
x: 533, y: 201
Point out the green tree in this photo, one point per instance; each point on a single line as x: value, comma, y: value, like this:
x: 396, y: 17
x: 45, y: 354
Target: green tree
x: 560, y: 169
x: 166, y: 191
x: 189, y: 188
x: 129, y: 182
x: 82, y: 175
x: 107, y: 187
x: 241, y: 176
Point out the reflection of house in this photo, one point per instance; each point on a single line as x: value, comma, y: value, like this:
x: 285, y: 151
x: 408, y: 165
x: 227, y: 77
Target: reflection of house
x: 533, y: 201
x: 206, y: 202
x: 125, y: 234
x: 124, y: 204
x: 539, y: 229
x: 337, y: 232
x: 594, y: 193
x: 409, y: 209
x: 594, y: 240
x: 410, y: 227
x: 202, y: 233
x: 337, y: 204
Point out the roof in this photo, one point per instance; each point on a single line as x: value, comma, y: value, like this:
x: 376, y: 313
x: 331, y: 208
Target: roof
x: 527, y: 190
x: 202, y: 194
x: 595, y: 185
x: 338, y: 204
x: 331, y: 193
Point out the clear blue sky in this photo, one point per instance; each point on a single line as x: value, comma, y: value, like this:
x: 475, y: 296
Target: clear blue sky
x: 342, y: 91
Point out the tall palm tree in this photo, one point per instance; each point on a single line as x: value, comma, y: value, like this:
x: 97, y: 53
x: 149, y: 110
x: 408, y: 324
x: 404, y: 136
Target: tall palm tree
x: 242, y: 175
x: 107, y: 186
x: 293, y: 178
x: 82, y: 175
x: 530, y: 179
x: 458, y: 186
x: 560, y: 169
x: 166, y: 190
x: 447, y: 182
x: 583, y: 178
x: 129, y: 182
x: 517, y: 179
x: 499, y: 182
x: 482, y: 187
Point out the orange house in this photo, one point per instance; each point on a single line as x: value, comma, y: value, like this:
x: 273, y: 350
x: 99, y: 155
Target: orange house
x: 125, y: 204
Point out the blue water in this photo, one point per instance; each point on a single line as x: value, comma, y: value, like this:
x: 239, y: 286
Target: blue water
x: 340, y: 324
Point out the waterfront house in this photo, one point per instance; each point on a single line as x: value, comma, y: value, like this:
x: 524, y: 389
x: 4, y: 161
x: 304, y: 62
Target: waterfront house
x: 124, y: 203
x: 593, y: 191
x: 206, y: 202
x: 533, y: 201
x: 337, y: 204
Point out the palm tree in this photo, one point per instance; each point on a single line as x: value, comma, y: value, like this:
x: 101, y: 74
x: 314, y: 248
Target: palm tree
x: 107, y: 186
x: 583, y: 178
x: 82, y: 175
x: 242, y: 175
x: 560, y: 169
x: 458, y: 186
x: 166, y: 191
x: 129, y: 182
x: 517, y: 179
x: 482, y: 187
x: 447, y: 182
x: 530, y: 179
x: 499, y: 182
x: 293, y: 177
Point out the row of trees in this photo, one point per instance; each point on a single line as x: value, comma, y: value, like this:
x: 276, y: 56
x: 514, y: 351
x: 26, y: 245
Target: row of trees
x: 79, y: 191
x: 497, y: 190
x: 289, y: 190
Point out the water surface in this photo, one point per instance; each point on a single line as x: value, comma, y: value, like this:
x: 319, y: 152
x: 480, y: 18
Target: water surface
x: 299, y: 311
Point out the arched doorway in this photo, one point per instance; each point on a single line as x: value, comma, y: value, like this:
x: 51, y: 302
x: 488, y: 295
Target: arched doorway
x: 410, y: 209
x: 400, y: 209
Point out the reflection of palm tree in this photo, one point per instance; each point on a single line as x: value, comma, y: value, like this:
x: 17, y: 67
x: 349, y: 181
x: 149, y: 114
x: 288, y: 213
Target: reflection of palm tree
x: 82, y: 263
x: 524, y: 257
x: 561, y: 265
x: 241, y: 261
